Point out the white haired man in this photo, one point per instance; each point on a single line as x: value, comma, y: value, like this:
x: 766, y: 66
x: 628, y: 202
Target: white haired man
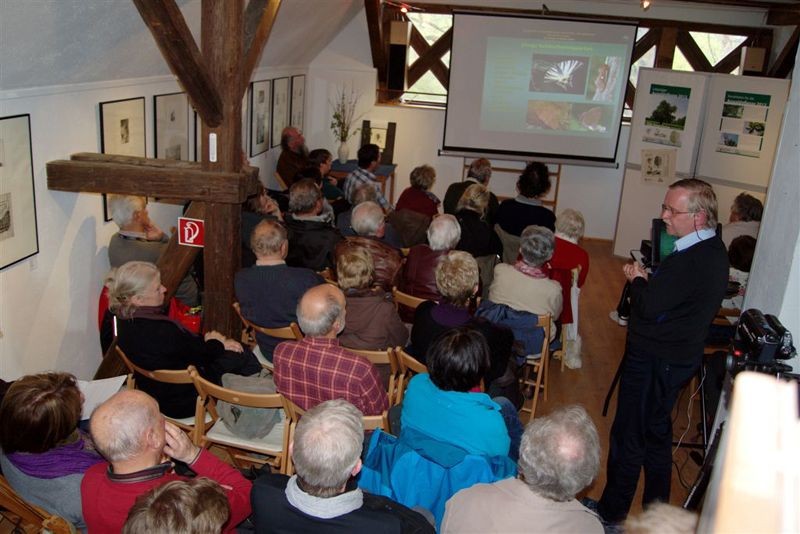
x: 139, y: 239
x: 559, y: 456
x: 316, y: 369
x: 137, y: 442
x: 369, y: 223
x: 326, y: 451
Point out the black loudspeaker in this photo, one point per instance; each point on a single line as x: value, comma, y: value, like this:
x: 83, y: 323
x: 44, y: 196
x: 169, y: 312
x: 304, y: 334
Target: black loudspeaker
x: 398, y: 48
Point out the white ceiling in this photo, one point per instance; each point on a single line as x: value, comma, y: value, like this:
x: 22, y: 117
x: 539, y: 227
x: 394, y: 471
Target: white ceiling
x: 62, y: 42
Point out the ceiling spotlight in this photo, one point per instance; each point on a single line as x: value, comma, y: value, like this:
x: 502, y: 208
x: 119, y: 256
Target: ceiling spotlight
x: 404, y: 9
x: 646, y: 4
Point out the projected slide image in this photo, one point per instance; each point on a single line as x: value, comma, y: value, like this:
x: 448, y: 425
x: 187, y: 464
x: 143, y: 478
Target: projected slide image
x: 605, y: 74
x: 568, y: 117
x: 558, y: 74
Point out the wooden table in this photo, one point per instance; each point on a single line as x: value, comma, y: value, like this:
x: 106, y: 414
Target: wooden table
x: 383, y: 174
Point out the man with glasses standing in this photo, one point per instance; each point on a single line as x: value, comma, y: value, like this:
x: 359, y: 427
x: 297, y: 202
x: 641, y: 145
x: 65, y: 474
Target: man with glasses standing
x: 671, y: 310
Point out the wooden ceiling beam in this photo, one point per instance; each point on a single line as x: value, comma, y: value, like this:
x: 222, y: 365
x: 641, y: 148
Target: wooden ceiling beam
x: 259, y: 17
x: 784, y: 16
x: 785, y: 62
x: 375, y: 26
x: 174, y: 39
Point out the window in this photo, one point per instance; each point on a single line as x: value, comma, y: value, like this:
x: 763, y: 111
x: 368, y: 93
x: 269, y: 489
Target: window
x: 427, y: 69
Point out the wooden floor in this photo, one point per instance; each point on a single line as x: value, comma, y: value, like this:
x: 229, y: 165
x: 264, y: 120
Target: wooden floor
x: 603, y: 344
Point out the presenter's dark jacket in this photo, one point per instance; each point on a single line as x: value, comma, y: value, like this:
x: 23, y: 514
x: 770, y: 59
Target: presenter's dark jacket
x: 671, y: 312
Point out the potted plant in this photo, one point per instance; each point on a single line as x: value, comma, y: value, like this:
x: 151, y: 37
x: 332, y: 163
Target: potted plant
x: 344, y: 109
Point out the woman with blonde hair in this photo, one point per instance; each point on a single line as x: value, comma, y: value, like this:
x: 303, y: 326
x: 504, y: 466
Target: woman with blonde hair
x: 153, y: 341
x: 44, y: 454
x: 477, y: 237
x: 372, y: 320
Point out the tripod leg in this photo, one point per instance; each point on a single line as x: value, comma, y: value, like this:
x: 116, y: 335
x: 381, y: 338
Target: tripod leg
x: 613, y: 386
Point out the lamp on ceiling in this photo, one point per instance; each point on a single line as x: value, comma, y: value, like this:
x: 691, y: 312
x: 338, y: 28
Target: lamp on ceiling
x: 646, y: 4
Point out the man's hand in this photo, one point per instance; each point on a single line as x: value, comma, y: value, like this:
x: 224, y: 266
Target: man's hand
x: 178, y: 445
x: 634, y: 270
x: 153, y: 232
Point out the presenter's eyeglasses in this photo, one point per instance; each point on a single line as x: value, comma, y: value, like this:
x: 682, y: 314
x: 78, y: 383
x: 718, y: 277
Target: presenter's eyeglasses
x: 673, y: 211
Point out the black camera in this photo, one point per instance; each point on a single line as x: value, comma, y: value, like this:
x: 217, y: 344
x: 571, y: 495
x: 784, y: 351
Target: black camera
x: 760, y: 341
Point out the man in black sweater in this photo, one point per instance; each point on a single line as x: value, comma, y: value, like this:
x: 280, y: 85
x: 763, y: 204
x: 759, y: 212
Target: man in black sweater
x: 670, y: 313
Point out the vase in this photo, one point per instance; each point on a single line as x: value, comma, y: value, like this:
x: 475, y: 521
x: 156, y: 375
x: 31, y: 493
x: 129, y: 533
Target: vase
x: 344, y: 153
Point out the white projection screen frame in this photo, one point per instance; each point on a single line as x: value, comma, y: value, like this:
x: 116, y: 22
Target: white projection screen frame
x: 553, y: 88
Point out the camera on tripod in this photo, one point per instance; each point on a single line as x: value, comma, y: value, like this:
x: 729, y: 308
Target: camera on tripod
x: 760, y: 341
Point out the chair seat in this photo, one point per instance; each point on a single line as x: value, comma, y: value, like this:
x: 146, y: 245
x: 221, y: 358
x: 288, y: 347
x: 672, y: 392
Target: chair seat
x: 533, y: 358
x: 272, y: 442
x: 265, y: 363
x: 187, y: 421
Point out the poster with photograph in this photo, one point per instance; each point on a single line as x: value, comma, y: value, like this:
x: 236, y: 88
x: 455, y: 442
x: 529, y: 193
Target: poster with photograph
x: 743, y: 122
x: 298, y: 101
x: 666, y: 115
x: 259, y: 117
x: 18, y: 231
x: 172, y: 126
x: 280, y: 108
x: 658, y: 165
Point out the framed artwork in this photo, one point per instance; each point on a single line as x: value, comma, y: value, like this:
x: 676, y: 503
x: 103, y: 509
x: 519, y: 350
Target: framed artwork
x: 122, y: 131
x: 198, y: 138
x: 19, y: 237
x: 381, y: 133
x: 298, y: 101
x: 259, y: 117
x: 171, y: 114
x: 280, y: 108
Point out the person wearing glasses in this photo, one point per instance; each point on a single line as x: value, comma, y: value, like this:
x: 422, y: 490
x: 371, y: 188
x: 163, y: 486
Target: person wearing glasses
x: 671, y: 310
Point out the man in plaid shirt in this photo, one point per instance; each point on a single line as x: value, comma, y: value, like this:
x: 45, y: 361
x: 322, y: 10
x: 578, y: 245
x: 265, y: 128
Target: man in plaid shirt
x: 317, y: 369
x: 369, y: 157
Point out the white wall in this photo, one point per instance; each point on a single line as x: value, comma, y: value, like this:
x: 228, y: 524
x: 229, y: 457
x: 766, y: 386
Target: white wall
x: 48, y: 303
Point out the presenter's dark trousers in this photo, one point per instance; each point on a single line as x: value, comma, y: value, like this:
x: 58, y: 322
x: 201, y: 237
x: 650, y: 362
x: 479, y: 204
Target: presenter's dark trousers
x: 641, y: 435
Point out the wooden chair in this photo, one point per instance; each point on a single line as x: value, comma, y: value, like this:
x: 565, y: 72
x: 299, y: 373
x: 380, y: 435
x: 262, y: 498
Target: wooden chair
x: 291, y: 331
x: 409, y: 366
x: 404, y: 299
x: 275, y: 444
x: 281, y: 182
x: 540, y: 366
x: 561, y: 353
x: 294, y: 412
x: 383, y: 357
x: 168, y: 376
x: 36, y: 517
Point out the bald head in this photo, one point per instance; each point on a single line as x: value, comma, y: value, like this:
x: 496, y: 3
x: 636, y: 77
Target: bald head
x: 124, y: 425
x: 320, y: 313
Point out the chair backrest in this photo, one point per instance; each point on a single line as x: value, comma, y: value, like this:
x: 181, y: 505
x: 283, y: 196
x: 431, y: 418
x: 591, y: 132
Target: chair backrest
x: 510, y: 244
x: 404, y: 299
x: 37, y: 517
x: 291, y: 331
x: 409, y: 366
x: 383, y: 357
x: 209, y: 391
x: 281, y: 182
x: 169, y: 376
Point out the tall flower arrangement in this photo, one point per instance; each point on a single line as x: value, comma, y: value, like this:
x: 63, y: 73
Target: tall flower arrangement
x: 344, y: 109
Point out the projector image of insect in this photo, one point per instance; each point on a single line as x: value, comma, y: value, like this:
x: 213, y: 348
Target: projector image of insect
x: 561, y: 73
x: 558, y: 74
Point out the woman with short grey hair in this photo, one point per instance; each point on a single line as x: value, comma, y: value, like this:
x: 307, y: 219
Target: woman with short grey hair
x: 525, y: 286
x: 419, y: 197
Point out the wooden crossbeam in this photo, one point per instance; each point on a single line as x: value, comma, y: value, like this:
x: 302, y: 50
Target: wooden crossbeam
x: 375, y: 25
x: 732, y: 59
x: 179, y: 49
x: 259, y: 17
x: 429, y: 56
x: 785, y: 62
x: 696, y: 58
x: 129, y: 175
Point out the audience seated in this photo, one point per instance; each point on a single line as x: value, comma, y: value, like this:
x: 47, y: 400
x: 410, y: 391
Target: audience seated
x: 418, y: 197
x: 418, y: 277
x: 312, y: 239
x: 193, y: 506
x: 559, y: 456
x: 457, y: 281
x: 477, y: 237
x: 568, y: 255
x: 137, y: 443
x: 447, y: 405
x: 154, y: 341
x: 322, y: 159
x: 44, y: 454
x: 372, y: 320
x: 294, y: 154
x: 326, y: 452
x: 369, y: 157
x: 740, y: 257
x: 139, y: 239
x: 366, y: 193
x: 525, y: 286
x: 480, y: 171
x: 257, y: 208
x: 316, y: 368
x: 269, y: 291
x: 516, y: 214
x: 327, y: 213
x: 368, y: 221
x: 745, y: 218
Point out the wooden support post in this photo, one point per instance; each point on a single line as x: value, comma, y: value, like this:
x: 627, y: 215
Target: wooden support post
x: 665, y: 50
x: 222, y: 43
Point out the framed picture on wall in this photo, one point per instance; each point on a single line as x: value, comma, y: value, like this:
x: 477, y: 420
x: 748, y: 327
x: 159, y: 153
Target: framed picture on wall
x: 381, y: 133
x: 298, y: 101
x: 280, y: 108
x: 19, y: 238
x: 171, y: 114
x: 198, y: 144
x: 259, y: 117
x: 122, y: 131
